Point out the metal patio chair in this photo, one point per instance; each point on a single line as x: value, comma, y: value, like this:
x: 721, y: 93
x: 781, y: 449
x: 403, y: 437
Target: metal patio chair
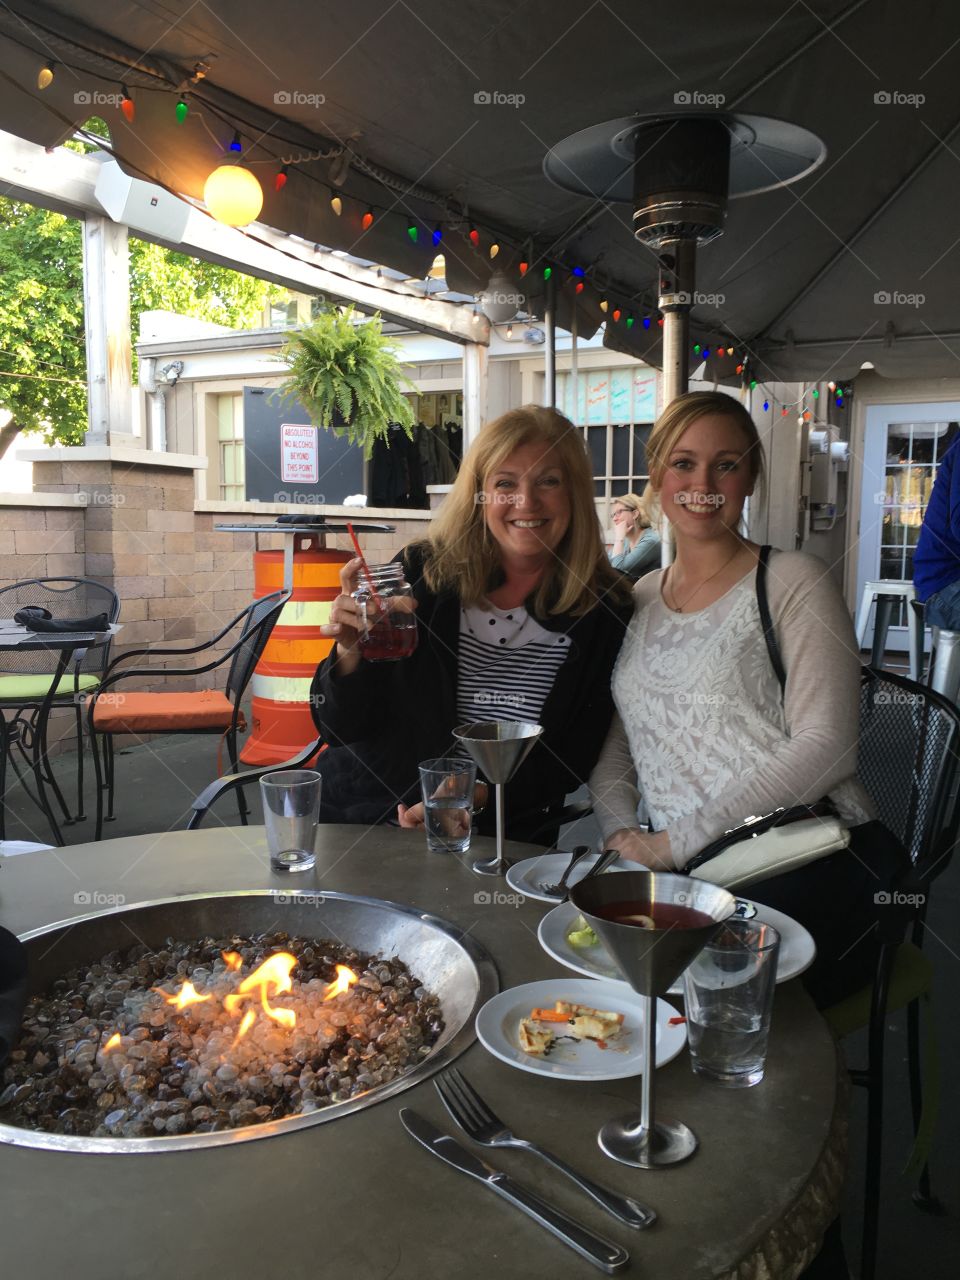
x: 909, y: 762
x: 113, y: 710
x: 25, y: 676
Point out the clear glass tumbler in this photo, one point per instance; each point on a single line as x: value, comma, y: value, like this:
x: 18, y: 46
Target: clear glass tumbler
x: 447, y: 785
x: 729, y: 990
x: 387, y: 633
x: 291, y: 809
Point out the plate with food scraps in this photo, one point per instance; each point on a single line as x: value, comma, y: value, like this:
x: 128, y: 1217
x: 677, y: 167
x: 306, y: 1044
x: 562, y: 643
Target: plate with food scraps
x: 591, y: 1030
x: 797, y: 948
x: 528, y: 876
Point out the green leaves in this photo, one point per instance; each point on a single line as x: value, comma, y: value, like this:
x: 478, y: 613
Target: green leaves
x: 347, y: 377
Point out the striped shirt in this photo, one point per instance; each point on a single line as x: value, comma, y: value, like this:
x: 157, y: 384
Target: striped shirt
x: 508, y: 664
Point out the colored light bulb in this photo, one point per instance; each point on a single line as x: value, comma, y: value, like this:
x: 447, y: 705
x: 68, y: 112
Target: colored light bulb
x: 604, y: 305
x: 127, y: 106
x: 336, y: 204
x: 494, y: 249
x: 753, y: 383
x: 766, y: 405
x: 630, y: 320
x: 235, y: 143
x: 280, y: 181
x: 412, y: 231
x: 616, y: 314
x: 646, y: 322
x: 437, y: 234
x: 696, y: 348
x: 367, y: 220
x: 45, y: 76
x: 547, y: 272
x: 180, y: 111
x: 578, y: 287
x: 474, y: 236
x: 524, y: 267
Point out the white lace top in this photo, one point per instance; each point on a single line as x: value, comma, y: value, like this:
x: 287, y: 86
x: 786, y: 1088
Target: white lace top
x: 702, y: 740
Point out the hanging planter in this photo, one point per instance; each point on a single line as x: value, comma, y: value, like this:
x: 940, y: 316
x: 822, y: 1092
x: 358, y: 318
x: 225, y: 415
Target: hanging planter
x: 348, y: 378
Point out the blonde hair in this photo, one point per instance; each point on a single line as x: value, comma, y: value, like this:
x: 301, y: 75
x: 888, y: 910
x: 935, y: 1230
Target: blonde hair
x: 682, y: 413
x: 460, y: 553
x: 641, y: 505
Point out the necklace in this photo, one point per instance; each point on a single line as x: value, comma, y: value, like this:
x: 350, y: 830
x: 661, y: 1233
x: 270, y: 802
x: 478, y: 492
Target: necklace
x: 668, y: 585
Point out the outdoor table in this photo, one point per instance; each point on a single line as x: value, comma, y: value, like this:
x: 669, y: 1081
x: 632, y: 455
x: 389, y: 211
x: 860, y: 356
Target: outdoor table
x: 308, y: 535
x: 64, y: 644
x: 356, y: 1197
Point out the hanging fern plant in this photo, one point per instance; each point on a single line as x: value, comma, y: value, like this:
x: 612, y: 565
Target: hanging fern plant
x: 347, y: 377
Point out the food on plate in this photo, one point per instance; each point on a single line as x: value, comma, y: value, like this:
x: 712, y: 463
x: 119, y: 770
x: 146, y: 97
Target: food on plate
x: 581, y: 935
x: 579, y: 1021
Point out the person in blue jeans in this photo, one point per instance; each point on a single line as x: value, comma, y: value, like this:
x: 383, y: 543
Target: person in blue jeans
x: 936, y: 560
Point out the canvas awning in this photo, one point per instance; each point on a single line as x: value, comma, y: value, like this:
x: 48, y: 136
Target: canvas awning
x: 434, y: 113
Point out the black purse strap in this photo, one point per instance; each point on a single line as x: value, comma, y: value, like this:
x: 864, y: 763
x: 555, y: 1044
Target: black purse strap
x: 766, y: 621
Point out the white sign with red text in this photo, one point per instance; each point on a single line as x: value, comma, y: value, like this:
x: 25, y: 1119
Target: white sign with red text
x: 299, y: 461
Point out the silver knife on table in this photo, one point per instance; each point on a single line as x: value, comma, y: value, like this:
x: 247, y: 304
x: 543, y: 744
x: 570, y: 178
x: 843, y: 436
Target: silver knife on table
x: 603, y: 1253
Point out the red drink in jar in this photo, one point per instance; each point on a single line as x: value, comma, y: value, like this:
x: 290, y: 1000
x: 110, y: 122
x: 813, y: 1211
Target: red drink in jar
x: 388, y: 629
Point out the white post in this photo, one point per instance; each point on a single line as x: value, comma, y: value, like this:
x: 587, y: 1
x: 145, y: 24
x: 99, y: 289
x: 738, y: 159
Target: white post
x: 474, y: 391
x: 106, y: 310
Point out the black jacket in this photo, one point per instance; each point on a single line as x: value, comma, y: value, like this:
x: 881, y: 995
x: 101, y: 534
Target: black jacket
x: 384, y: 719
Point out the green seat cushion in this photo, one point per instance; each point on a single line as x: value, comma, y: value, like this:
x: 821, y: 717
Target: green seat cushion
x: 911, y: 977
x: 21, y: 689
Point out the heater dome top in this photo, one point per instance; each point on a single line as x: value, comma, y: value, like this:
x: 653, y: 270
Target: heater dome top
x: 765, y: 153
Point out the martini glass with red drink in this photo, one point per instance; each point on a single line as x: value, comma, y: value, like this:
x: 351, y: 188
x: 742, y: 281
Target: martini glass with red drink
x: 653, y: 924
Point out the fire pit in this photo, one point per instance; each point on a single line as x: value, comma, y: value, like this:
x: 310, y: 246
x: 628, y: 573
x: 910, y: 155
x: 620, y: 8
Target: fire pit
x: 216, y: 1016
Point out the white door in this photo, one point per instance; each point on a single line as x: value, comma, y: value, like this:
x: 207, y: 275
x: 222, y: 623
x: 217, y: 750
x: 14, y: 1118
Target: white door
x: 902, y: 449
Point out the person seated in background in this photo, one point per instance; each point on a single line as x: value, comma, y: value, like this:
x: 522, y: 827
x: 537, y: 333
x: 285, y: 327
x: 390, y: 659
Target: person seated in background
x: 520, y: 616
x: 936, y: 558
x: 704, y: 736
x: 636, y: 544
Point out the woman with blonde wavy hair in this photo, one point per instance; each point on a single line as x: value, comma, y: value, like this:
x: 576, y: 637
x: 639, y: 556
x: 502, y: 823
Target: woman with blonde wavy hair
x: 520, y: 616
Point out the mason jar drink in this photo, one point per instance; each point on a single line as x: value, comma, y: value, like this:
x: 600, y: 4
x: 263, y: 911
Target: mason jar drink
x: 387, y: 633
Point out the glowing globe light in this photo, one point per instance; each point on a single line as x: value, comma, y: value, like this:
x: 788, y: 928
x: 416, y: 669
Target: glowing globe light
x: 233, y: 195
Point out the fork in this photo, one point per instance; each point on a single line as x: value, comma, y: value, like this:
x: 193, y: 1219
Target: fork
x: 560, y: 888
x: 480, y: 1124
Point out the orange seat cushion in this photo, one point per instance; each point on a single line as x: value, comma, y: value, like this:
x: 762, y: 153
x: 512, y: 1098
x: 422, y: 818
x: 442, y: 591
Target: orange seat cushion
x: 206, y: 709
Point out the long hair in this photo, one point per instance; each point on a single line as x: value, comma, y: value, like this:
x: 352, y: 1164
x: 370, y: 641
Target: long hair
x: 682, y: 413
x: 633, y: 502
x: 461, y: 554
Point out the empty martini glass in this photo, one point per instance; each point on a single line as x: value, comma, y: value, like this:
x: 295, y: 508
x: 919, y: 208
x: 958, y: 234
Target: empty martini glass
x: 498, y: 747
x: 653, y: 924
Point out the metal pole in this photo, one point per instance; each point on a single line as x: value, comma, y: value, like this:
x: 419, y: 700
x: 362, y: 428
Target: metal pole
x: 550, y: 350
x: 678, y: 266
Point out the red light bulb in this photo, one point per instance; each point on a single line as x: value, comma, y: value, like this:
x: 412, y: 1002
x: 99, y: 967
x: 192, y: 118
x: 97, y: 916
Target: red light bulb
x: 367, y: 220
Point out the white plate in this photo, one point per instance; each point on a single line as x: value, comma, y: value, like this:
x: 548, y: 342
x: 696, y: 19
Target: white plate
x: 797, y: 947
x: 498, y: 1024
x: 527, y: 876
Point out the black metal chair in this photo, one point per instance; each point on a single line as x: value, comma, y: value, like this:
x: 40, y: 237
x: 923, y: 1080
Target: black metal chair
x: 208, y: 797
x: 111, y: 712
x: 909, y: 763
x: 25, y: 677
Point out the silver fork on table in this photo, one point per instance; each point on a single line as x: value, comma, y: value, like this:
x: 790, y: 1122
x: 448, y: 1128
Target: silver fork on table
x: 559, y: 889
x: 478, y: 1122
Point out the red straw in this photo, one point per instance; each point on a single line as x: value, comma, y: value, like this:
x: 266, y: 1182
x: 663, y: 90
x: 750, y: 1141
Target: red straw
x: 364, y: 567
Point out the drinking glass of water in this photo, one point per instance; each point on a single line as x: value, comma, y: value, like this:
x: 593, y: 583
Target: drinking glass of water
x: 729, y: 991
x: 447, y: 785
x: 291, y: 807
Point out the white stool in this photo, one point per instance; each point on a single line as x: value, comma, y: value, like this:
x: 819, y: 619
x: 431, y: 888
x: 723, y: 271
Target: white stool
x: 886, y: 592
x: 945, y: 662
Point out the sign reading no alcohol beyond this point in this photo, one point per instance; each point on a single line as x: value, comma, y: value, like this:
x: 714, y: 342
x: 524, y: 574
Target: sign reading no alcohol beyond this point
x: 299, y: 461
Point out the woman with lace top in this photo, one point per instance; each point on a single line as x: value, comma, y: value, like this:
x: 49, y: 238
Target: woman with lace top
x: 703, y: 738
x: 519, y: 615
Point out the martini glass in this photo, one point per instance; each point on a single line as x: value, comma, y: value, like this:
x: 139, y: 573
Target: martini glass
x: 686, y: 914
x: 498, y: 746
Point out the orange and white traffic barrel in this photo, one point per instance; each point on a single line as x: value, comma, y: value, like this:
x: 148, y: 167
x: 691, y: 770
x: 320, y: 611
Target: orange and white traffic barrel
x: 280, y: 685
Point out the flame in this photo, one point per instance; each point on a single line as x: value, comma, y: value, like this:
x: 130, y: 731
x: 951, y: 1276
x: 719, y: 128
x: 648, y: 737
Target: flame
x: 111, y: 1043
x: 343, y: 982
x: 186, y: 996
x: 232, y: 959
x: 246, y: 1022
x: 275, y: 971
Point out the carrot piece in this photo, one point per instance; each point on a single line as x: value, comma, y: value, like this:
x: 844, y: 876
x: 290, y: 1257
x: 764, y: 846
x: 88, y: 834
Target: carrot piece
x: 549, y: 1015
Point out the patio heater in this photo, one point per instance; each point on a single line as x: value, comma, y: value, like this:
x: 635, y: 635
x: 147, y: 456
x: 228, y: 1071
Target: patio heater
x: 678, y: 170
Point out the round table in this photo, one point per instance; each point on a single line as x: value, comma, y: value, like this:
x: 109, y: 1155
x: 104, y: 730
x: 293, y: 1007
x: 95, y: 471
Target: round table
x: 357, y: 1198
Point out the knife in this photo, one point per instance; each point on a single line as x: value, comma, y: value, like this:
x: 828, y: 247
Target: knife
x: 603, y: 1253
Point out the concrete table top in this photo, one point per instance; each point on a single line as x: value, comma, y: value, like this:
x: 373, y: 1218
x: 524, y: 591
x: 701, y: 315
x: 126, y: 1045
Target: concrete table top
x: 357, y: 1198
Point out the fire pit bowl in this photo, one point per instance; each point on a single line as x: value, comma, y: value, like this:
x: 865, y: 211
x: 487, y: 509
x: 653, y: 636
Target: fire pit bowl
x: 446, y: 961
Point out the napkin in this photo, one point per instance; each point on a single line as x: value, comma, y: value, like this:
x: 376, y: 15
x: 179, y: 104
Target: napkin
x: 13, y: 990
x: 35, y: 618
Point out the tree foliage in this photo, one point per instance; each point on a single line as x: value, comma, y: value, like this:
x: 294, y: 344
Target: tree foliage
x: 42, y: 357
x: 347, y: 377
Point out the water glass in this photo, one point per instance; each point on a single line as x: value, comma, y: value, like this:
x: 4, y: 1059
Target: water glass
x: 729, y: 991
x: 291, y: 809
x: 447, y: 785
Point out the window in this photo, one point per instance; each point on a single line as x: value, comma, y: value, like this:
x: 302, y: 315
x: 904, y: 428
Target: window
x: 616, y: 409
x: 230, y: 444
